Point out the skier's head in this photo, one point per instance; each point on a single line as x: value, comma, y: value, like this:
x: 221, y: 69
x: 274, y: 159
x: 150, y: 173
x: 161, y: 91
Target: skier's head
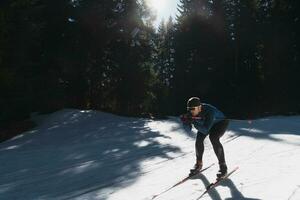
x: 194, y: 106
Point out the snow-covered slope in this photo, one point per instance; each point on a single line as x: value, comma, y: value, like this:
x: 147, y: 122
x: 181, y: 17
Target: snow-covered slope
x: 75, y: 154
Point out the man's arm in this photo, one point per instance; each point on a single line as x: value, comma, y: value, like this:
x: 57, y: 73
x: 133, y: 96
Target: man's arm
x: 186, y: 122
x: 205, y: 125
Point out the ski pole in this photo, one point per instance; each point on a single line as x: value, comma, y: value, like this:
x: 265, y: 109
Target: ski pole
x: 248, y: 121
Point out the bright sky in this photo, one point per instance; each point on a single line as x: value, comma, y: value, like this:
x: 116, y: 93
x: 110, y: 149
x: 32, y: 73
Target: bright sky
x: 163, y: 9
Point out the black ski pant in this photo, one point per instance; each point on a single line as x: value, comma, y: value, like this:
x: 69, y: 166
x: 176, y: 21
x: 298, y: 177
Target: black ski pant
x: 215, y: 133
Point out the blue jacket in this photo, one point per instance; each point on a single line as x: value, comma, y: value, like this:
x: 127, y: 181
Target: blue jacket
x: 208, y: 116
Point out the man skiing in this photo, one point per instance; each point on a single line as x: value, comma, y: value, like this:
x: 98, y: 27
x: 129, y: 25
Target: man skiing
x: 208, y: 120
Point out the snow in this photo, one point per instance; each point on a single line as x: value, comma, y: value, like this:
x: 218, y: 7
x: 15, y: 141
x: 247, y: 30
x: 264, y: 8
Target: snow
x: 85, y: 154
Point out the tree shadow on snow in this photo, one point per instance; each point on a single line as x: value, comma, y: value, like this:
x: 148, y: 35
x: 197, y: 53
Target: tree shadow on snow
x: 268, y: 128
x: 74, y: 152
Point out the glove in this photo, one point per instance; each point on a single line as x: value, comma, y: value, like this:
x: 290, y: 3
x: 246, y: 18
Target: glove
x: 185, y: 118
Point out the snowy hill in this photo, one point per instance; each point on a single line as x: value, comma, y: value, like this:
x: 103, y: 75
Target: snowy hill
x: 75, y: 154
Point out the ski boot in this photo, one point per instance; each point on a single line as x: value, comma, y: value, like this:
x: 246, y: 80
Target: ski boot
x: 222, y: 172
x: 197, y: 167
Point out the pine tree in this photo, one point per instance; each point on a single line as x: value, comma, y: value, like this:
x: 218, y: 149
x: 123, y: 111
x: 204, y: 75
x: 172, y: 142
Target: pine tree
x: 200, y: 49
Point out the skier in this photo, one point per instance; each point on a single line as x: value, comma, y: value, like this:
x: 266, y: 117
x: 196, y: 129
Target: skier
x: 208, y: 120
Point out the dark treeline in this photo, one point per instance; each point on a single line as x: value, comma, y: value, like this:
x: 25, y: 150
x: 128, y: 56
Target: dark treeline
x: 240, y: 55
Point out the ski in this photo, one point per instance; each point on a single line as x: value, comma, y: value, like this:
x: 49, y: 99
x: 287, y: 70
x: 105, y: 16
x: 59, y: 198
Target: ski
x: 216, y: 183
x: 182, y: 181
